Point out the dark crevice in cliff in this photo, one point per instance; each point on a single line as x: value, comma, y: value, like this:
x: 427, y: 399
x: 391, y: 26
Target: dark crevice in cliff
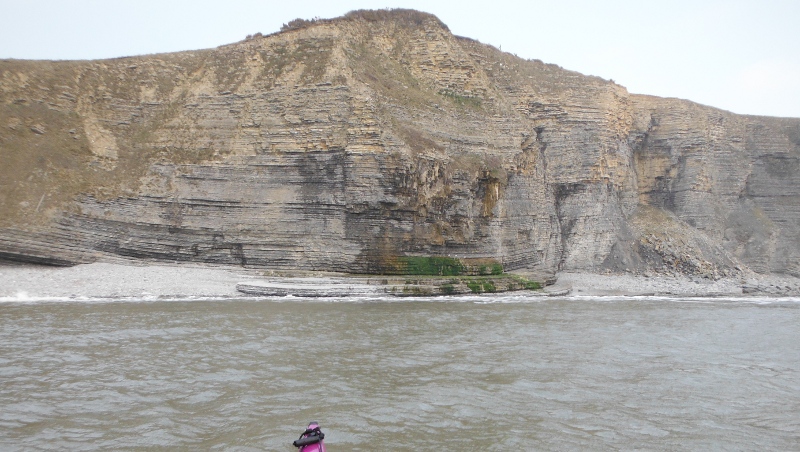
x: 561, y: 194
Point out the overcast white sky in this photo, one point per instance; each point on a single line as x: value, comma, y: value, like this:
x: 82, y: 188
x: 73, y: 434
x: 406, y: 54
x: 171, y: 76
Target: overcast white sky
x: 738, y: 55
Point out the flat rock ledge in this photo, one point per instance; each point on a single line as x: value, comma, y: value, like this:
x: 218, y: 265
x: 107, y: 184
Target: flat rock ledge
x: 310, y: 287
x: 382, y: 286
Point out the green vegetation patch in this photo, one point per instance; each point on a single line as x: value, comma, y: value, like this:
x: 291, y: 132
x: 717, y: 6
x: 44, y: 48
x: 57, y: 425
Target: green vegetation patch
x: 431, y: 266
x: 430, y: 285
x: 443, y: 266
x: 481, y: 286
x: 461, y: 100
x: 494, y: 268
x: 526, y: 283
x: 475, y: 286
x: 532, y: 285
x: 482, y: 267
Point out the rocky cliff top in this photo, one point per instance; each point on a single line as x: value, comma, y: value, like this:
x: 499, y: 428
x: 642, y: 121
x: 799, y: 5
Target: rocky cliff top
x: 351, y: 144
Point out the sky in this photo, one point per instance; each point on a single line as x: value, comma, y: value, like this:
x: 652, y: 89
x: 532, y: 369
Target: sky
x: 737, y: 55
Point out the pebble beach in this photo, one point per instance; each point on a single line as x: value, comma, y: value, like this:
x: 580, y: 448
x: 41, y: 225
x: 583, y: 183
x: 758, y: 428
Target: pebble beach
x: 159, y: 281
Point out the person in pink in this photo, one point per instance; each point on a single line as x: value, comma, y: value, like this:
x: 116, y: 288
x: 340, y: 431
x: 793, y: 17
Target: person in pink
x: 311, y: 440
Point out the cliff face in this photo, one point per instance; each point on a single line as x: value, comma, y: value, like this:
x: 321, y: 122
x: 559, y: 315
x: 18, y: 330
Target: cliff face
x: 345, y: 144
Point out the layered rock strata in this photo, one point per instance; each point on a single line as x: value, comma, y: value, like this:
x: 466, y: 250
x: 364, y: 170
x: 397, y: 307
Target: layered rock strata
x: 343, y: 145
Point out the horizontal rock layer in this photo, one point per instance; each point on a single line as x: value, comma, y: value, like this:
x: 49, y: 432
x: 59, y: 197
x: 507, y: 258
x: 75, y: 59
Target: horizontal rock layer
x: 344, y: 144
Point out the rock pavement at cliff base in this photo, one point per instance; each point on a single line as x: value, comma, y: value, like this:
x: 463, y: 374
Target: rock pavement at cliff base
x: 189, y: 281
x: 347, y: 144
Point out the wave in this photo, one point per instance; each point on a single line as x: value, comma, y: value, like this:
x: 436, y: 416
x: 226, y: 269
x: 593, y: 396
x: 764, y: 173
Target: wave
x: 25, y: 298
x: 501, y: 298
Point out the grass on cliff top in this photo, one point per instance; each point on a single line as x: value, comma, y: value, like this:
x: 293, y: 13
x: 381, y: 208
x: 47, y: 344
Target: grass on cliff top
x: 408, y: 16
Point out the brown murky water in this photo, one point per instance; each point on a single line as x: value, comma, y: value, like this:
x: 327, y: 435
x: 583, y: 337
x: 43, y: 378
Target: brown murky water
x: 500, y: 373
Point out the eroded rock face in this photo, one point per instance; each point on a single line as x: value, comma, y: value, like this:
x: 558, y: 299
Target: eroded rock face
x: 344, y: 144
x: 733, y: 179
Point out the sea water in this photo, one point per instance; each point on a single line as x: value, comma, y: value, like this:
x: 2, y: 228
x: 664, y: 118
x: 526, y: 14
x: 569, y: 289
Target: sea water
x: 463, y: 373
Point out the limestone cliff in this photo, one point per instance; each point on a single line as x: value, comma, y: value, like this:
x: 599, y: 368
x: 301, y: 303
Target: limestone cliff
x: 345, y: 144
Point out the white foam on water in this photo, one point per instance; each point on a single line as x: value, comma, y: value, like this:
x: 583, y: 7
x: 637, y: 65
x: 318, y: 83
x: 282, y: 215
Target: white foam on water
x: 500, y: 298
x: 682, y: 299
x: 24, y: 297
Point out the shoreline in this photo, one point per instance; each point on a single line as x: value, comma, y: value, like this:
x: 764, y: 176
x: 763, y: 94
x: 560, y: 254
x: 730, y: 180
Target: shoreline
x: 188, y: 281
x: 593, y: 284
